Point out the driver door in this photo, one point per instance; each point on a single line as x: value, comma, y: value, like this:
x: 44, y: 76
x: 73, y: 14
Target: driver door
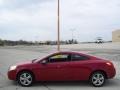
x: 56, y: 68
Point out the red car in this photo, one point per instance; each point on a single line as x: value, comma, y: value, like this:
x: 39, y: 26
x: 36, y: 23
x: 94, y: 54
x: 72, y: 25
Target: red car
x: 63, y: 66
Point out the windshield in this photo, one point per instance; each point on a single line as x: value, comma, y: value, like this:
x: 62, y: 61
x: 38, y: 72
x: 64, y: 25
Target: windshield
x: 37, y: 59
x: 41, y: 58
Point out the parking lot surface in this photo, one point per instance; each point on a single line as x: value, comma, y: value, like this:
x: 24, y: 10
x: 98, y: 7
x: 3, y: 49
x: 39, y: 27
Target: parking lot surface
x: 10, y: 55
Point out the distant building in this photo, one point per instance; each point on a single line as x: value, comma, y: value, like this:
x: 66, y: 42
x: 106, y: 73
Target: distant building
x: 116, y: 36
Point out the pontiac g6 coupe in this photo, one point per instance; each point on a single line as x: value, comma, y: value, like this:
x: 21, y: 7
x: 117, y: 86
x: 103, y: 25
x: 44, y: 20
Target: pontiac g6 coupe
x: 63, y: 66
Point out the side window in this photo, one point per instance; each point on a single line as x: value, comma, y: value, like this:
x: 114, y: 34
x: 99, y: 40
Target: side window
x: 76, y: 57
x: 59, y: 58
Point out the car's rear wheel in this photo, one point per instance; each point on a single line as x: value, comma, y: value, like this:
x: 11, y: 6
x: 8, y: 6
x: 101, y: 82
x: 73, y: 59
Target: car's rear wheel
x: 25, y: 78
x: 97, y: 79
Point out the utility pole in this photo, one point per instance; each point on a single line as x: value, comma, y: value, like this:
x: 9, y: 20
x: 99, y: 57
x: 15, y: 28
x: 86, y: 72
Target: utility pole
x: 72, y: 34
x: 58, y: 27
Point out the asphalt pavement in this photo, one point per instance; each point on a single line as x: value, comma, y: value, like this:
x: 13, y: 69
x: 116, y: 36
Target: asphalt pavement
x: 10, y: 55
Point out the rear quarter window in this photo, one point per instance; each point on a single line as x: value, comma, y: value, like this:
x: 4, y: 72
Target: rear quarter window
x: 77, y: 57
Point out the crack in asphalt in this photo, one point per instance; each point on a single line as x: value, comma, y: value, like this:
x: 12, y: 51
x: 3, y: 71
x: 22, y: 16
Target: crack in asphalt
x: 2, y: 75
x: 3, y: 86
x: 47, y: 87
x: 17, y: 86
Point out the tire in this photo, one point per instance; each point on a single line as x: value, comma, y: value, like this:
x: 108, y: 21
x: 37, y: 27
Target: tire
x: 97, y: 79
x: 25, y: 78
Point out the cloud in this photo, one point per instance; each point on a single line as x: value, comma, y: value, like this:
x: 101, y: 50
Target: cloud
x: 37, y: 19
x: 16, y: 4
x: 92, y: 17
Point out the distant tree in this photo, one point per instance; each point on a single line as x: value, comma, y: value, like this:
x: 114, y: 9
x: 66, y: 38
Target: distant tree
x: 1, y: 43
x: 73, y: 41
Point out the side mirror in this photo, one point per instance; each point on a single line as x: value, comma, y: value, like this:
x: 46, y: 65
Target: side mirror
x: 44, y: 62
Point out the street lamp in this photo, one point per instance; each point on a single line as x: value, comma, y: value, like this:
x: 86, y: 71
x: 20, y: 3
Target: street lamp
x: 72, y: 34
x: 58, y: 20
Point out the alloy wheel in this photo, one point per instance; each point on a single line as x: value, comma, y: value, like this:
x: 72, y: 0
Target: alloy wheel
x: 25, y: 79
x: 98, y: 79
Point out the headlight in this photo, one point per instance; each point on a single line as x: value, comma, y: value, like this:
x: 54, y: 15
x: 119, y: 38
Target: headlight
x: 12, y: 67
x: 108, y: 63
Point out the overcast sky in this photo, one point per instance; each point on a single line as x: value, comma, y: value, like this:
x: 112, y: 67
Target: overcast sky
x: 37, y: 19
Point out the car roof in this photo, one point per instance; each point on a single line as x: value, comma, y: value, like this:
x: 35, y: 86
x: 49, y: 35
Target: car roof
x: 70, y: 52
x: 76, y: 52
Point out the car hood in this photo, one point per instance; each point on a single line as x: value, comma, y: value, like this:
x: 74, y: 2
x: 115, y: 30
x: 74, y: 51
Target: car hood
x: 24, y: 63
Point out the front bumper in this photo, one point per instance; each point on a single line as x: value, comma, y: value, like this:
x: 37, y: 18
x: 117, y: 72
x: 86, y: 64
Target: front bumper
x: 111, y: 72
x: 12, y: 75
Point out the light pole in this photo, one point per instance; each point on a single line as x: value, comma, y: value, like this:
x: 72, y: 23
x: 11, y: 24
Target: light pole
x: 72, y: 34
x: 58, y: 27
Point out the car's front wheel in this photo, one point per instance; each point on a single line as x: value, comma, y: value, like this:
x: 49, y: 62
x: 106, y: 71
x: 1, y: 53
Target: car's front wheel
x: 25, y: 78
x: 97, y: 79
